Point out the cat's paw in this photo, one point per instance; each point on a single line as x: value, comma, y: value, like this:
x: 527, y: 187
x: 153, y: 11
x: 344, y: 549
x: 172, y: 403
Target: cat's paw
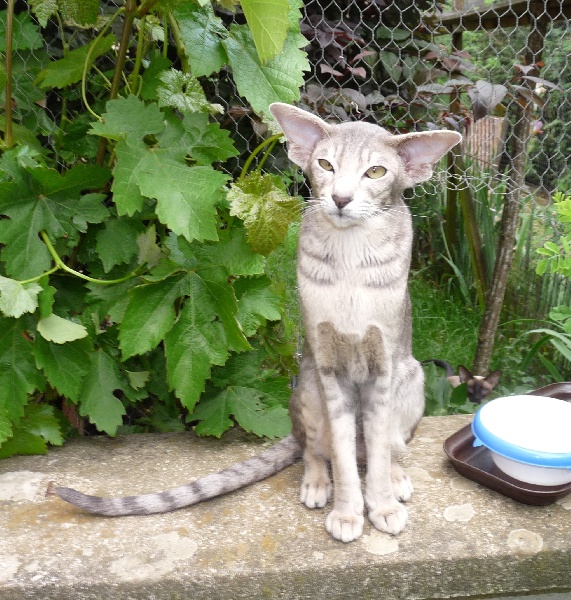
x: 402, y: 484
x: 315, y: 494
x: 390, y: 518
x: 344, y: 527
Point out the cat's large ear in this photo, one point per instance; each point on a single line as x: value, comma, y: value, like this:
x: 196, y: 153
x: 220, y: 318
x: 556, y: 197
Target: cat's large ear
x: 421, y: 151
x: 493, y: 378
x: 302, y: 130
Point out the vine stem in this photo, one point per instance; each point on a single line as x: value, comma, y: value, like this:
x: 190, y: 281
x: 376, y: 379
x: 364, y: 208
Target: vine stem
x: 9, y: 136
x: 61, y: 265
x: 271, y: 142
x: 86, y: 64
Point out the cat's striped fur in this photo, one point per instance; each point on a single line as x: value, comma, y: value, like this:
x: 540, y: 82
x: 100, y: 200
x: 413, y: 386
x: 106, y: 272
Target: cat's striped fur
x: 360, y: 391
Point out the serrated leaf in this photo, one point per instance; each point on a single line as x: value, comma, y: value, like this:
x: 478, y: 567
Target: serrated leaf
x: 18, y: 373
x: 41, y: 199
x: 17, y: 298
x: 244, y: 403
x: 131, y: 158
x: 61, y: 73
x: 40, y: 420
x: 26, y: 35
x: 149, y: 252
x: 202, y: 32
x: 257, y: 303
x: 186, y: 196
x: 98, y: 403
x: 231, y: 252
x: 90, y: 209
x: 138, y: 379
x: 58, y: 330
x: 23, y: 443
x: 43, y: 9
x: 84, y: 12
x: 206, y: 142
x: 129, y: 118
x: 182, y: 91
x: 117, y: 243
x: 46, y: 298
x: 195, y: 343
x: 213, y: 415
x: 64, y: 365
x: 278, y: 80
x: 266, y: 209
x: 149, y: 316
x: 269, y: 23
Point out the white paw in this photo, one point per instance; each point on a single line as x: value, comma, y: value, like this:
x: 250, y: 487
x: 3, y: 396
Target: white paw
x: 390, y: 518
x: 402, y: 485
x: 344, y: 527
x: 315, y: 494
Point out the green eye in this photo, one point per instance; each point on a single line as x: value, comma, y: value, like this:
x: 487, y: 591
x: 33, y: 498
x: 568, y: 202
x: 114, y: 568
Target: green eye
x: 325, y: 164
x: 375, y: 172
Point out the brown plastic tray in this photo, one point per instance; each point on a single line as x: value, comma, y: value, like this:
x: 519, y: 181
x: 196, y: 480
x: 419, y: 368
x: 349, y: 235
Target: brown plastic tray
x: 476, y: 463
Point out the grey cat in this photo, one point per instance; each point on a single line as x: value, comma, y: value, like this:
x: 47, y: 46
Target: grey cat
x: 360, y: 391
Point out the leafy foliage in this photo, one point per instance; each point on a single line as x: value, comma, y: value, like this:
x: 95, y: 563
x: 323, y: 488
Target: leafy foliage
x: 133, y: 277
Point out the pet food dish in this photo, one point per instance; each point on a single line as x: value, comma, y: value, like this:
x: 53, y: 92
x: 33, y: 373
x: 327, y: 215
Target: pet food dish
x: 529, y: 437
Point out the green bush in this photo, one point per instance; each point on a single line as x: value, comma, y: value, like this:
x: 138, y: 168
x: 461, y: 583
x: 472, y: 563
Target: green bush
x: 133, y: 267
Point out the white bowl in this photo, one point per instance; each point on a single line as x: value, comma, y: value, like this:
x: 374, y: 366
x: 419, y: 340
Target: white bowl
x: 529, y: 437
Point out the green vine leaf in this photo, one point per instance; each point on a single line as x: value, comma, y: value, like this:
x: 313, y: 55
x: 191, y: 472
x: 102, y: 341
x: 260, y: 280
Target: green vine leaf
x: 18, y: 373
x: 55, y: 329
x: 186, y: 196
x: 269, y: 23
x: 129, y: 118
x: 37, y: 428
x: 202, y: 33
x: 257, y: 303
x: 117, y: 243
x: 98, y: 401
x: 41, y: 199
x: 64, y: 365
x: 182, y: 91
x: 149, y: 316
x: 84, y: 12
x: 26, y: 35
x: 17, y: 298
x: 69, y: 69
x: 266, y: 208
x: 278, y: 80
x: 195, y: 343
x: 43, y: 9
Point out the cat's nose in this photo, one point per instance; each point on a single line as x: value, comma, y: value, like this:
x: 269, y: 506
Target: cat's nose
x: 341, y: 201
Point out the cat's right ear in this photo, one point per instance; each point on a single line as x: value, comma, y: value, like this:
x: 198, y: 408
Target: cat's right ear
x: 302, y: 131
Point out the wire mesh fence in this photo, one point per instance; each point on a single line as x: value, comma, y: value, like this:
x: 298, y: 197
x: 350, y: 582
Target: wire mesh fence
x: 498, y: 72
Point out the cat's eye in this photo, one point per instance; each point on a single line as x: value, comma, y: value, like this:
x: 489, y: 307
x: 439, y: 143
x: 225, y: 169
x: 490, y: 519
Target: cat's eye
x: 375, y: 172
x: 325, y: 164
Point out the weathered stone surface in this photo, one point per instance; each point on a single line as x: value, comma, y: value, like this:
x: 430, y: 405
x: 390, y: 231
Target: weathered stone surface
x: 461, y: 540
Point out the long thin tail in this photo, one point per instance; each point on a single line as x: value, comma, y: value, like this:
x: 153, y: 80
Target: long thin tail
x: 442, y: 364
x: 237, y: 476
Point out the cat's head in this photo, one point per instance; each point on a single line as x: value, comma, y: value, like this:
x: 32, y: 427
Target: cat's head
x: 358, y: 169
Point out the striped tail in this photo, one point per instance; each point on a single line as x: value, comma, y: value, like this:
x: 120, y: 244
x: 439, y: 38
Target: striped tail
x: 239, y: 475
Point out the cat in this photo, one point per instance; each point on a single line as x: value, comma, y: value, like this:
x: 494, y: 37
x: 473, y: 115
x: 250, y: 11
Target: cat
x: 479, y: 386
x: 360, y: 391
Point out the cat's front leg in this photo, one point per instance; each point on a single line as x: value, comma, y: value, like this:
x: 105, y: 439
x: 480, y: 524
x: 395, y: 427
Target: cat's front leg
x: 345, y: 521
x: 385, y: 511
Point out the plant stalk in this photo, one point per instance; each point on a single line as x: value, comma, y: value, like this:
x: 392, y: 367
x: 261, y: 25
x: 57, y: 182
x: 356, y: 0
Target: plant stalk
x: 130, y: 14
x: 8, y: 134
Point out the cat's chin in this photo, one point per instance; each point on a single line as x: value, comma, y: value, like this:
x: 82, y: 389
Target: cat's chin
x: 342, y: 220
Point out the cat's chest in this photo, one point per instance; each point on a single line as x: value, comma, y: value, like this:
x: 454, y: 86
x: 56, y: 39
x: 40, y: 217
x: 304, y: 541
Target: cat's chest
x: 353, y: 262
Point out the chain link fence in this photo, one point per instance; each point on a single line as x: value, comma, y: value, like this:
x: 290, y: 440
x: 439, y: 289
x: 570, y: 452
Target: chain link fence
x: 498, y: 72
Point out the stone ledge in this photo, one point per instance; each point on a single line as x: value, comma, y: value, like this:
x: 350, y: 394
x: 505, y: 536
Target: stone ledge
x: 461, y: 540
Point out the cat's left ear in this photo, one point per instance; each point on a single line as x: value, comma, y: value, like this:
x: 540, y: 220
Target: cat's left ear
x: 302, y: 131
x: 421, y: 151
